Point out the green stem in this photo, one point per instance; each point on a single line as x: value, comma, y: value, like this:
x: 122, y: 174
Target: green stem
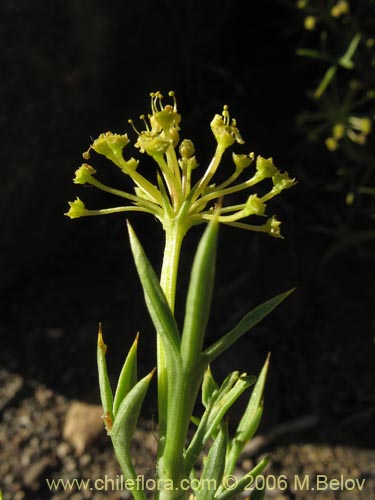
x: 172, y: 465
x: 174, y: 233
x: 175, y: 397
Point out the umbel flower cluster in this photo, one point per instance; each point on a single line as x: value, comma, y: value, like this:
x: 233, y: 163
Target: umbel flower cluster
x: 172, y: 193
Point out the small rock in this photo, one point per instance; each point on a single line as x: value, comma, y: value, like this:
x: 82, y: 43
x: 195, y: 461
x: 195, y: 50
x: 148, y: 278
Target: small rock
x: 62, y: 449
x: 34, y: 472
x: 84, y: 460
x: 70, y: 464
x: 83, y: 425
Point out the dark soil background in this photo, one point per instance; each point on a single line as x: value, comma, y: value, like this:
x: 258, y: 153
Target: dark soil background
x: 71, y: 70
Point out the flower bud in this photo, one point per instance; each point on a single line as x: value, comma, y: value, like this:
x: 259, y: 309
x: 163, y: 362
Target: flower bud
x: 282, y: 181
x: 331, y: 144
x: 186, y: 149
x: 77, y: 209
x: 338, y: 131
x: 109, y: 145
x: 310, y: 23
x: 254, y: 205
x: 83, y: 174
x: 273, y: 227
x: 265, y: 167
x: 242, y: 161
x: 341, y: 7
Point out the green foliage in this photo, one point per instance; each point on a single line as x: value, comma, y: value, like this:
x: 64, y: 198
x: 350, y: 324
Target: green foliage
x: 341, y: 49
x: 183, y: 361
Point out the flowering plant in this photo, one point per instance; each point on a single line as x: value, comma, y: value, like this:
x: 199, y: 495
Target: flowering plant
x: 183, y: 363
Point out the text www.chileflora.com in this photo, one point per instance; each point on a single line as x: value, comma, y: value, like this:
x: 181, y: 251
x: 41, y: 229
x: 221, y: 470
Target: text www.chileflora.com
x: 119, y: 483
x: 320, y: 482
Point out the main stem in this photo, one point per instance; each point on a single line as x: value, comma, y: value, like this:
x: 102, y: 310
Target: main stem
x: 175, y: 231
x: 177, y: 404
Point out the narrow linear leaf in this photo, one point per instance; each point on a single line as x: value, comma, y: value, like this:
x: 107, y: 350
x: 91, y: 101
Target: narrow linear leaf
x: 123, y: 430
x: 195, y: 420
x: 315, y: 54
x: 223, y: 403
x: 196, y: 445
x: 198, y: 302
x: 245, y: 430
x: 128, y: 376
x: 250, y: 420
x: 106, y: 395
x: 326, y: 80
x: 155, y: 299
x: 244, y: 482
x: 128, y: 413
x: 218, y: 405
x: 209, y: 386
x: 247, y: 322
x: 213, y: 470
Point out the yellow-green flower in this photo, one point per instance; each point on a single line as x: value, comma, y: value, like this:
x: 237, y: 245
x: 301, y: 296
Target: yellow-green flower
x: 177, y: 190
x: 265, y: 167
x: 310, y: 23
x: 152, y: 144
x: 242, y: 161
x: 110, y: 145
x: 77, y: 209
x: 273, y: 227
x: 83, y: 174
x: 340, y: 8
x: 225, y: 130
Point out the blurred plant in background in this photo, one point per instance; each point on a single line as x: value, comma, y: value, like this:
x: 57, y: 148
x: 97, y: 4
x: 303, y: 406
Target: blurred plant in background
x: 340, y: 38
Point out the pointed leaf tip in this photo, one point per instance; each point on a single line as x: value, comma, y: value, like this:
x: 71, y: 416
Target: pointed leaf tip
x: 130, y: 228
x: 102, y: 346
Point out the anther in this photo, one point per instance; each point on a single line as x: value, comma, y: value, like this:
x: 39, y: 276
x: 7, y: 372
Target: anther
x: 143, y: 118
x: 226, y: 115
x: 172, y: 94
x: 133, y: 126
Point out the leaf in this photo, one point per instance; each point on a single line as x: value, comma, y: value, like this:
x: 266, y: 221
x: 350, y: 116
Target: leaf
x: 245, y: 481
x: 326, y: 80
x: 198, y: 302
x: 315, y: 54
x: 106, y: 395
x: 213, y: 470
x: 209, y: 386
x: 156, y: 302
x: 224, y: 401
x: 128, y: 376
x: 221, y: 400
x: 123, y: 429
x: 246, y: 323
x: 249, y: 421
